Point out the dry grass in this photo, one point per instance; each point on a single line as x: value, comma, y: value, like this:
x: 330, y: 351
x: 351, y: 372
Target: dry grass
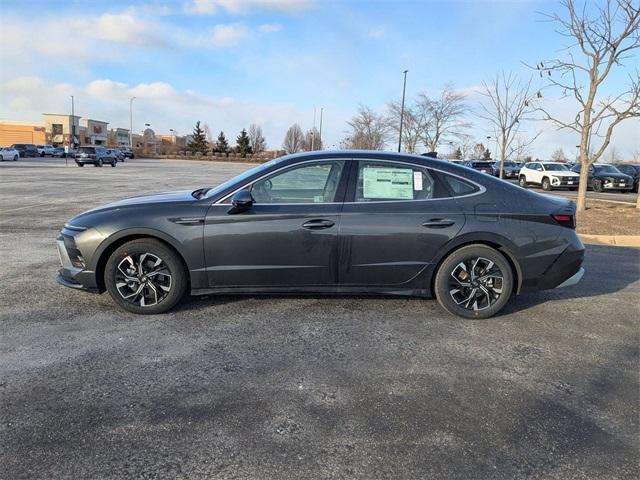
x: 605, y: 218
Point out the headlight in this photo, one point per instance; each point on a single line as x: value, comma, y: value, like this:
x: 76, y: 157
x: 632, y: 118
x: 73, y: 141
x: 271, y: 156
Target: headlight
x: 75, y: 228
x: 555, y: 180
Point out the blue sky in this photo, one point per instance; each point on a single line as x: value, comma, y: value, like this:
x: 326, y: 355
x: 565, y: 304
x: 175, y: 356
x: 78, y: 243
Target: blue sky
x: 231, y: 63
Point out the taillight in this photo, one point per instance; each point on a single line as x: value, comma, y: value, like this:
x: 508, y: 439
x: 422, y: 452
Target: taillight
x: 565, y: 220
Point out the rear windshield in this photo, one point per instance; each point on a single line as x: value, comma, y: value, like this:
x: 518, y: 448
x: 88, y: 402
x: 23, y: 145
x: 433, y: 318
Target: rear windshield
x: 481, y: 164
x: 510, y: 164
x: 87, y: 149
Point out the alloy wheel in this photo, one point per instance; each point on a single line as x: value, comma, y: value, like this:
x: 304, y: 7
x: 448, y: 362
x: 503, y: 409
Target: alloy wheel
x: 476, y: 284
x: 143, y: 279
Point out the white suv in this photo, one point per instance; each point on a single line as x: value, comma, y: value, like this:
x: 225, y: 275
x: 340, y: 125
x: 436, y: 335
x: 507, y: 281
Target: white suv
x: 46, y: 150
x: 548, y: 175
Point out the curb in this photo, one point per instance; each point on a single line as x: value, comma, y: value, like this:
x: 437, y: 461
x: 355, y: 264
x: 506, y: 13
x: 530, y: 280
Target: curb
x: 616, y: 240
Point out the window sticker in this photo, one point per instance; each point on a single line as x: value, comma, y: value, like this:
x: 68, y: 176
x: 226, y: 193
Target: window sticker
x: 417, y: 181
x: 388, y: 183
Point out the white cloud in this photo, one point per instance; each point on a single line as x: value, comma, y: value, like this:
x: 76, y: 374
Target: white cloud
x: 243, y: 7
x: 228, y: 35
x: 270, y: 27
x: 376, y: 33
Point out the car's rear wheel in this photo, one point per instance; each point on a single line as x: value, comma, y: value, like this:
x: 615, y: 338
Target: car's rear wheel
x: 145, y: 276
x: 113, y: 163
x: 522, y: 181
x: 81, y: 164
x: 100, y: 163
x: 475, y: 281
x: 15, y: 158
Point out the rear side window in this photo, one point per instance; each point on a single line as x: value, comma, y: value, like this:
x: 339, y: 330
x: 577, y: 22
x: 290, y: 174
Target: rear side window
x: 391, y: 181
x: 458, y: 186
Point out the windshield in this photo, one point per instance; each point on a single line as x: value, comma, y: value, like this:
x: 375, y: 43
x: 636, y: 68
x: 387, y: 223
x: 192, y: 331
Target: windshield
x: 482, y: 164
x: 606, y: 169
x: 240, y: 178
x: 555, y: 167
x: 510, y: 164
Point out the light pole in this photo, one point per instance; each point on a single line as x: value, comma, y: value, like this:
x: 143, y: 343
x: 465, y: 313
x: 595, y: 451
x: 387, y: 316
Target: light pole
x: 320, y: 132
x: 488, y: 141
x: 73, y: 131
x: 404, y: 88
x: 577, y: 153
x: 131, y: 122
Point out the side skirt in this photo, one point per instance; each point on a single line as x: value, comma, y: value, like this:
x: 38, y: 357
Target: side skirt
x: 407, y: 292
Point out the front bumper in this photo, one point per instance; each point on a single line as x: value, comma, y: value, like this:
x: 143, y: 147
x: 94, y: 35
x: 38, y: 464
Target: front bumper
x: 617, y: 186
x: 71, y: 276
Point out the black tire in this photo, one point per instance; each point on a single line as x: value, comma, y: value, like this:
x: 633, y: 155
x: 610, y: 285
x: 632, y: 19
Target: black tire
x: 171, y: 264
x: 573, y: 189
x: 15, y: 158
x: 113, y: 163
x: 100, y: 163
x: 80, y: 164
x: 487, y: 305
x: 597, y: 185
x: 546, y: 184
x: 42, y: 154
x: 522, y: 181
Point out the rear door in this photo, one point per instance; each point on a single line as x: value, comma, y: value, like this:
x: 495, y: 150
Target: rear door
x: 396, y: 217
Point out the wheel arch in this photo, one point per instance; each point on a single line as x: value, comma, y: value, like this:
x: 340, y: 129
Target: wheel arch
x: 499, y: 243
x: 107, y: 248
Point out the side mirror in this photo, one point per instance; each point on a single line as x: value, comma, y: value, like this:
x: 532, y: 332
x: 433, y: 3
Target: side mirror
x: 539, y: 169
x: 241, y: 201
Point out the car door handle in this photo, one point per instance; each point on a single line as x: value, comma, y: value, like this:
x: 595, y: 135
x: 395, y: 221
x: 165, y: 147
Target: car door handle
x: 318, y: 224
x: 438, y: 223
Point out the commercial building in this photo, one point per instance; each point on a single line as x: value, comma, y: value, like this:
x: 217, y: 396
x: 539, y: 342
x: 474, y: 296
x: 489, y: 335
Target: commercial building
x: 22, y: 132
x: 94, y: 132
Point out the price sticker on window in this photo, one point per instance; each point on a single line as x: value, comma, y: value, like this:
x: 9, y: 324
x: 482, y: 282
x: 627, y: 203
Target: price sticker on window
x: 417, y: 181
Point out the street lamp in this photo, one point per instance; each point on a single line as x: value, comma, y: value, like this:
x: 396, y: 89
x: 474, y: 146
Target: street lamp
x: 131, y: 121
x: 404, y: 87
x: 488, y: 141
x: 577, y: 153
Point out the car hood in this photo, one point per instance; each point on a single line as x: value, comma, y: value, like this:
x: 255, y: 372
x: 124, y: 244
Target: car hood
x: 563, y: 174
x: 617, y: 176
x: 166, y: 197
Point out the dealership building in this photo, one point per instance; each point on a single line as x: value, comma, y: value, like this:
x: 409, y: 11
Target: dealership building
x: 58, y: 129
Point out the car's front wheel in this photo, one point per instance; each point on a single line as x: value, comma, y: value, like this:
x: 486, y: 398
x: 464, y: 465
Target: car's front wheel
x: 522, y: 181
x: 475, y: 281
x: 15, y: 158
x: 145, y: 276
x: 597, y: 185
x: 546, y: 184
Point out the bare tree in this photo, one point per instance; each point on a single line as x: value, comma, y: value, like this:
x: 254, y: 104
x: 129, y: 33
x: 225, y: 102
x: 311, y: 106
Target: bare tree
x: 465, y: 144
x: 509, y: 103
x: 559, y: 156
x: 256, y: 140
x: 478, y: 151
x: 613, y: 155
x: 635, y: 155
x: 369, y: 130
x: 600, y: 42
x: 411, y: 125
x: 293, y: 139
x: 441, y: 119
x: 312, y: 140
x: 207, y: 133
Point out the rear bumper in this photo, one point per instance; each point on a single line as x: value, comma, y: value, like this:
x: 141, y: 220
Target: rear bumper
x: 573, y: 280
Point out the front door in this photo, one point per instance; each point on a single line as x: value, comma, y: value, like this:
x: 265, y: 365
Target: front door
x: 397, y: 217
x: 287, y: 238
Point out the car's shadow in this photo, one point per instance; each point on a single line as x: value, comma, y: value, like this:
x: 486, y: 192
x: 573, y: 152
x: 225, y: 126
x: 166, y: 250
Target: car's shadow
x: 608, y: 270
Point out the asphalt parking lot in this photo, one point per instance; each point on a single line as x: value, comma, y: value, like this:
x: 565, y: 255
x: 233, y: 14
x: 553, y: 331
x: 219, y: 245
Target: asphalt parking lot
x: 300, y: 387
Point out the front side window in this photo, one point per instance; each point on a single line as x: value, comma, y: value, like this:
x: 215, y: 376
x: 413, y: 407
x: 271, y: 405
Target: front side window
x: 309, y: 183
x: 382, y: 181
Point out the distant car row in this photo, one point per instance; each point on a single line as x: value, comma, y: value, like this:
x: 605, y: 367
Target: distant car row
x: 554, y: 175
x: 29, y: 150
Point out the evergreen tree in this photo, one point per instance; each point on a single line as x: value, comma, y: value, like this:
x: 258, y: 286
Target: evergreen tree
x: 198, y: 143
x: 222, y: 146
x: 457, y: 154
x: 243, y: 144
x: 486, y: 155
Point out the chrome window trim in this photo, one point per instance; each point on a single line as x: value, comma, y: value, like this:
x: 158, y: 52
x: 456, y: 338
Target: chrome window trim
x: 481, y: 188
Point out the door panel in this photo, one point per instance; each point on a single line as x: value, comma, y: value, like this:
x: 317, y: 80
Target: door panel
x: 391, y: 242
x: 271, y: 246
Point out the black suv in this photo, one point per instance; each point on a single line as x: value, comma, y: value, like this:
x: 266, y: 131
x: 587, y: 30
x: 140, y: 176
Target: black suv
x: 26, y: 149
x: 606, y: 177
x: 97, y: 156
x: 127, y: 152
x: 632, y: 170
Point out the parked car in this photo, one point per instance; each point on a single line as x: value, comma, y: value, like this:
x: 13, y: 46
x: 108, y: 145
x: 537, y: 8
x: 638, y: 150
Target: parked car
x: 45, y: 150
x: 633, y: 171
x: 481, y: 166
x: 549, y: 175
x: 606, y: 177
x: 510, y: 169
x: 97, y: 156
x: 26, y: 149
x: 127, y: 152
x: 59, y: 152
x: 9, y: 153
x: 329, y: 222
x: 119, y: 156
